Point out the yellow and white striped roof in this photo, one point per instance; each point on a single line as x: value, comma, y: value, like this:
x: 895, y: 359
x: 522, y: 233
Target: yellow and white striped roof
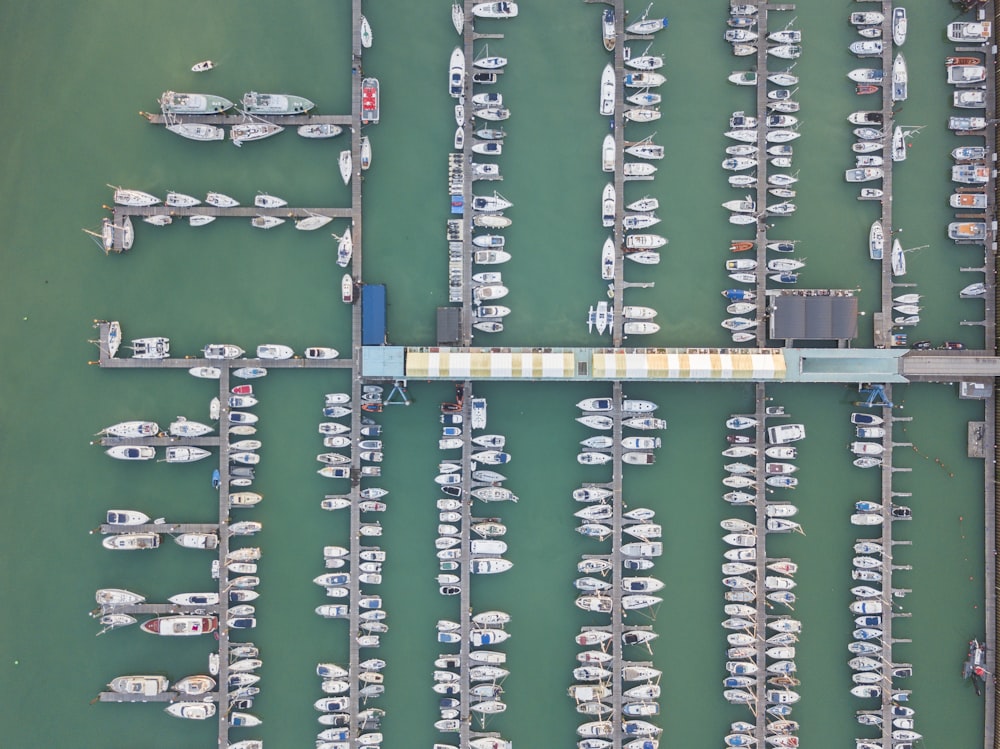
x: 508, y: 364
x: 601, y: 364
x: 699, y: 364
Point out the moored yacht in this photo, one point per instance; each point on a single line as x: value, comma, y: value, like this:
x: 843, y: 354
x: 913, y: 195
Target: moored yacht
x: 172, y: 102
x: 275, y: 104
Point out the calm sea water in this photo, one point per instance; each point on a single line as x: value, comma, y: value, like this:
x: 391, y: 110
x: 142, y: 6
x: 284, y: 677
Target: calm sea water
x: 75, y: 78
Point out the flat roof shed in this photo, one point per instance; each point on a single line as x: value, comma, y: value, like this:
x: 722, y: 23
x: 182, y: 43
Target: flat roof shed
x: 813, y: 316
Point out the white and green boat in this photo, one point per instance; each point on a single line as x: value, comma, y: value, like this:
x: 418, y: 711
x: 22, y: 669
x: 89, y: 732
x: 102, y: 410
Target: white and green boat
x: 172, y: 102
x: 275, y: 104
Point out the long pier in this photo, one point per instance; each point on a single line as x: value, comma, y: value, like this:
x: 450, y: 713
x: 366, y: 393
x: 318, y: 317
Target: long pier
x: 617, y: 612
x: 762, y: 185
x: 465, y: 569
x: 882, y: 320
x: 357, y: 256
x: 468, y: 126
x: 345, y: 120
x: 760, y: 561
x: 618, y: 230
x: 119, y: 212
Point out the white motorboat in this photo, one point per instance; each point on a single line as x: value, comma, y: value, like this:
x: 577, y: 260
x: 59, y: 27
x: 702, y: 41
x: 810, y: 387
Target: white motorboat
x: 969, y: 99
x: 488, y: 148
x: 191, y: 710
x: 608, y: 257
x: 965, y: 31
x: 324, y: 130
x: 863, y: 174
x: 365, y: 151
x: 132, y: 452
x: 607, y: 92
x: 644, y: 79
x: 501, y: 9
x: 456, y: 73
x: 866, y: 48
x: 141, y: 684
x: 321, y: 352
x: 900, y: 78
x: 197, y: 540
x: 180, y: 626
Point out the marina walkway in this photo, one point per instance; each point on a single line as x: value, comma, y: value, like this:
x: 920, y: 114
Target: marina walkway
x: 465, y: 570
x: 763, y: 162
x: 882, y: 320
x: 462, y: 288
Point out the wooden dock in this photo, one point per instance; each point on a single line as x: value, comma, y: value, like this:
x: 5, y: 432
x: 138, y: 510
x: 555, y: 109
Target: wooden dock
x: 119, y: 212
x: 761, y: 196
x: 617, y: 231
x: 104, y: 361
x: 357, y: 256
x: 465, y: 567
x: 760, y: 658
x: 882, y: 320
x: 468, y: 125
x: 344, y: 120
x: 618, y: 685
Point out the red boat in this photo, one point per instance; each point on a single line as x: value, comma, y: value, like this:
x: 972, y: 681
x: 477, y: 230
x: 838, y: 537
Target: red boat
x: 866, y: 88
x: 952, y: 346
x: 243, y: 390
x: 949, y: 61
x: 370, y: 100
x: 740, y: 245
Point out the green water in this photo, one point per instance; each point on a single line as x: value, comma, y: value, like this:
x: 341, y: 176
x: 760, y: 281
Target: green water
x: 75, y: 76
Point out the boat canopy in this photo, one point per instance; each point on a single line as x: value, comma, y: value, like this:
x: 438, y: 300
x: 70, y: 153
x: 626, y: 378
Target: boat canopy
x: 527, y: 364
x: 587, y: 364
x: 689, y: 365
